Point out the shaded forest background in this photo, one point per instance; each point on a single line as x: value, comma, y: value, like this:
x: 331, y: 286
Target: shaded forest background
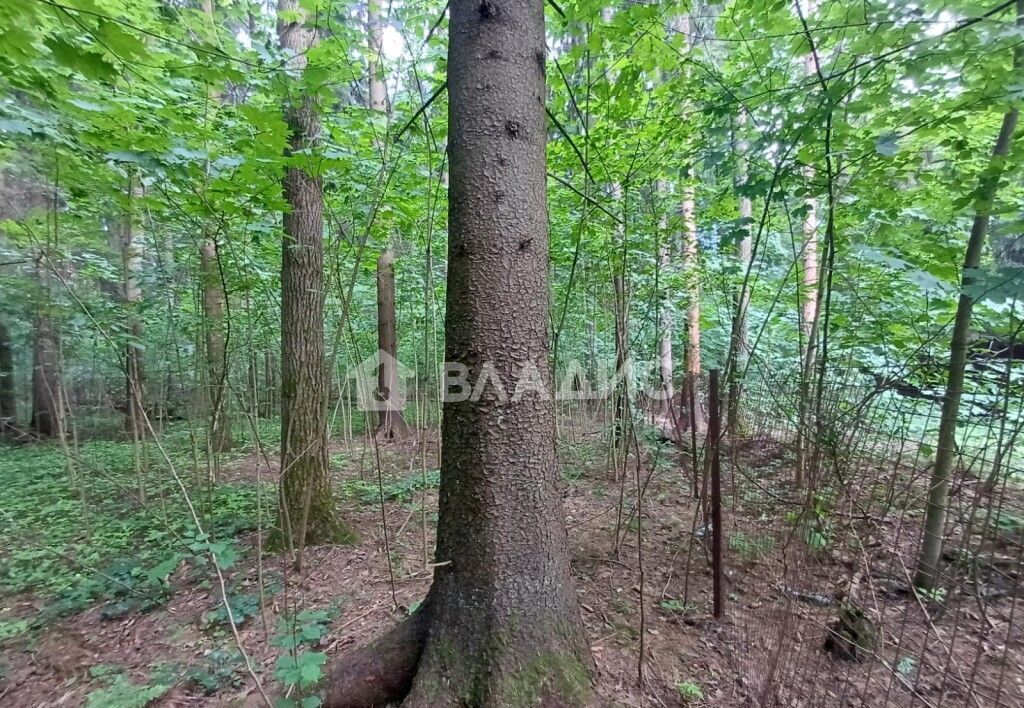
x: 805, y: 197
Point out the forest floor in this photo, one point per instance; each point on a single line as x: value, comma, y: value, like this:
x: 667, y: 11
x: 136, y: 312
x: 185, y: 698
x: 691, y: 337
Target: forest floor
x: 116, y: 607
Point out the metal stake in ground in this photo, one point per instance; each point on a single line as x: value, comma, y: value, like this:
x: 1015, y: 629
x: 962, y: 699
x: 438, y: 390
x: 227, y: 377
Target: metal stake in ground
x: 714, y: 442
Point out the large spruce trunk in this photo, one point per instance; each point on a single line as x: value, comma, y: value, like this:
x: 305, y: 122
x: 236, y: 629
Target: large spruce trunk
x: 306, y: 514
x: 504, y: 625
x: 501, y: 624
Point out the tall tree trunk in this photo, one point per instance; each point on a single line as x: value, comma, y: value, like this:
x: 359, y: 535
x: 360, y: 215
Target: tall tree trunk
x: 809, y: 308
x: 623, y: 375
x: 501, y: 621
x: 739, y: 344
x: 390, y: 421
x: 46, y: 383
x: 378, y: 95
x: 131, y: 293
x: 928, y: 570
x: 505, y: 624
x: 8, y: 404
x: 214, y: 307
x: 306, y: 513
x: 691, y: 263
x: 271, y: 390
x: 131, y: 269
x: 808, y: 314
x: 690, y: 252
x: 45, y: 378
x: 665, y: 365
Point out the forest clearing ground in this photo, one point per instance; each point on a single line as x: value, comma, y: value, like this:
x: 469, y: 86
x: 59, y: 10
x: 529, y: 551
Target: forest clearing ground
x: 173, y: 645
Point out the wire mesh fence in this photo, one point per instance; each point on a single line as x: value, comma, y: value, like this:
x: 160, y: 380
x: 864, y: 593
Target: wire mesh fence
x: 840, y: 621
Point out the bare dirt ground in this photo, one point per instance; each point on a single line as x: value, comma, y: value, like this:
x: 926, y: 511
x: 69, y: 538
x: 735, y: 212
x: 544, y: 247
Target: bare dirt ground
x: 642, y: 585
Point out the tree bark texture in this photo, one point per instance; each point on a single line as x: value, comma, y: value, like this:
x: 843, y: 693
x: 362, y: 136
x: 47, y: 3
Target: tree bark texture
x: 502, y: 621
x: 390, y: 421
x: 809, y: 311
x: 46, y: 384
x: 214, y: 308
x: 808, y: 325
x: 131, y: 268
x: 622, y: 368
x: 739, y: 342
x: 378, y: 95
x: 505, y: 627
x: 306, y: 512
x: 691, y: 263
x: 8, y: 406
x: 665, y: 365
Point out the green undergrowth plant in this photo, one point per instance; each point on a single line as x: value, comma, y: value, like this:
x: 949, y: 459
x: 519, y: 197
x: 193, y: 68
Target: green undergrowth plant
x: 676, y: 607
x: 815, y: 524
x: 76, y: 541
x: 689, y: 692
x: 935, y: 596
x: 577, y: 458
x: 751, y: 547
x: 299, y: 667
x: 219, y: 669
x: 117, y: 690
x: 1007, y: 523
x: 244, y: 606
x: 367, y: 492
x: 244, y: 600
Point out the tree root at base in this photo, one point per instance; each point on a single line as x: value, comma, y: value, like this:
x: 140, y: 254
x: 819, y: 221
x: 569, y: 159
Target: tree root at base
x: 381, y: 672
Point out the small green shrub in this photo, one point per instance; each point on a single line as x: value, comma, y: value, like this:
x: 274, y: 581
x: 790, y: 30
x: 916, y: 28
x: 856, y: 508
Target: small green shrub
x: 906, y: 666
x: 300, y: 668
x: 13, y: 628
x: 218, y: 670
x: 676, y: 607
x: 402, y: 490
x: 689, y: 691
x: 244, y: 607
x: 122, y: 693
x: 934, y: 595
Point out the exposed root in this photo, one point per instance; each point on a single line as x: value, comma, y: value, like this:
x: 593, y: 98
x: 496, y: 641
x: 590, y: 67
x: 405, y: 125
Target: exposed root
x: 381, y: 672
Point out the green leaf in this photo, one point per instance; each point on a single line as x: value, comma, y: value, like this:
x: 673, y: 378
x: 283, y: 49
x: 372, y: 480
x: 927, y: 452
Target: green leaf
x: 120, y: 43
x: 86, y: 63
x: 309, y: 664
x: 160, y: 571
